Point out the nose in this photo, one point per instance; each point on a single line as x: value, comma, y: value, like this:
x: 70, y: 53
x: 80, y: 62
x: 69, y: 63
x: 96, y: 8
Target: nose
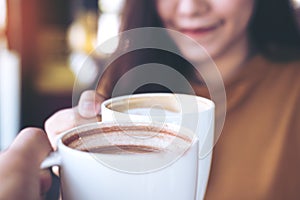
x: 192, y: 7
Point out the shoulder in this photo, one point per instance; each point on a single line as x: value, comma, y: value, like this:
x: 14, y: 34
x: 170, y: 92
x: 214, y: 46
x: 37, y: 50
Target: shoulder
x: 272, y: 68
x: 283, y: 76
x: 288, y: 68
x: 282, y: 68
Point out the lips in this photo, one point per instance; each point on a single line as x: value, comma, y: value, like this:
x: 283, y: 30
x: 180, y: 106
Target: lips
x: 200, y: 31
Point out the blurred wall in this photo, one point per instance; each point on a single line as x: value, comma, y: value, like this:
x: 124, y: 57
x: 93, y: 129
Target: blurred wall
x: 37, y: 30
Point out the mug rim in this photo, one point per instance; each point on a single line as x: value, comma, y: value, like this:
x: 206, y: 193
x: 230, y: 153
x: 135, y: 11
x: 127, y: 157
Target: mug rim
x: 209, y: 104
x: 194, y: 142
x: 92, y: 125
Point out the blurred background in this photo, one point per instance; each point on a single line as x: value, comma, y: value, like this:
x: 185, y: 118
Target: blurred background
x: 43, y: 44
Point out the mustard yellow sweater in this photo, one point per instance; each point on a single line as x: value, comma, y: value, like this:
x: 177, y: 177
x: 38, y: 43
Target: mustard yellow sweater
x: 257, y: 156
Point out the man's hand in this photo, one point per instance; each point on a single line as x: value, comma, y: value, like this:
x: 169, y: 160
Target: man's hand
x: 20, y: 173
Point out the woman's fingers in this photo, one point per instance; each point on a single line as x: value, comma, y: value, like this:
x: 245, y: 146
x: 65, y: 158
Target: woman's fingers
x: 90, y: 104
x: 59, y: 122
x: 64, y: 120
x: 86, y: 112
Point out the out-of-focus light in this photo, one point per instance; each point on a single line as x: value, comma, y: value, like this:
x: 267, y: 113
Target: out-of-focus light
x: 296, y: 3
x: 2, y: 14
x: 84, y: 67
x: 77, y: 36
x: 109, y: 6
x: 107, y: 28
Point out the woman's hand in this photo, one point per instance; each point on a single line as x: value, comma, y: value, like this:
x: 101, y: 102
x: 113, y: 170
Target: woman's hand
x: 85, y: 112
x: 20, y: 173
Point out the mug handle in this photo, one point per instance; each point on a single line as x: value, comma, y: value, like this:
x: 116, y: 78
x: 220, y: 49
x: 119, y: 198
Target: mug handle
x: 53, y: 159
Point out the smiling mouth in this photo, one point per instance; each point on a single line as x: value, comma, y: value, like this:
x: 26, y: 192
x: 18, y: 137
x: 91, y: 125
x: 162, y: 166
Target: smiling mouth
x: 195, y: 32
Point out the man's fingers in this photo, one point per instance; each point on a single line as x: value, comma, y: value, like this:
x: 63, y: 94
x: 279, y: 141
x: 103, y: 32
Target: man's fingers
x: 90, y: 104
x: 20, y: 166
x: 45, y: 180
x: 31, y: 144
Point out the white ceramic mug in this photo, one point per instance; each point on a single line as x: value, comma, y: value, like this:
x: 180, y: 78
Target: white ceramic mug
x: 129, y: 161
x: 193, y: 112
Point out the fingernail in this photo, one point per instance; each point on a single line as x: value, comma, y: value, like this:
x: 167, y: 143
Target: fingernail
x: 88, y: 105
x: 87, y: 109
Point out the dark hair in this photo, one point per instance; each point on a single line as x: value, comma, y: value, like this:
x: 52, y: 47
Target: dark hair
x: 273, y: 28
x: 137, y: 13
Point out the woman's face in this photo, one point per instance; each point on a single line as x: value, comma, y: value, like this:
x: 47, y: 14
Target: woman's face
x: 218, y: 25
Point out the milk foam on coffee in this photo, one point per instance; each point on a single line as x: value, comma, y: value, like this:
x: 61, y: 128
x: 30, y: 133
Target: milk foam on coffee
x: 136, y: 148
x: 136, y: 105
x: 163, y: 110
x: 150, y: 111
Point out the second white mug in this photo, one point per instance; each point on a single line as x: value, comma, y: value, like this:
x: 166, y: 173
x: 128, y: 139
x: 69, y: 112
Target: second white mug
x: 188, y: 111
